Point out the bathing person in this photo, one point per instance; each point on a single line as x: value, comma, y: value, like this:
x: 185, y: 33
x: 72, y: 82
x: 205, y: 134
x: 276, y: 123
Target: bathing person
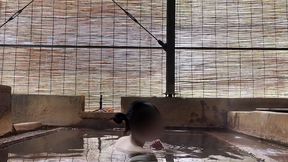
x: 142, y: 125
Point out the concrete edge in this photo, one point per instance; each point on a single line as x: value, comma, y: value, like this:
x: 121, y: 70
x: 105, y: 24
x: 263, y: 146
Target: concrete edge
x: 265, y: 125
x: 7, y: 141
x: 96, y: 115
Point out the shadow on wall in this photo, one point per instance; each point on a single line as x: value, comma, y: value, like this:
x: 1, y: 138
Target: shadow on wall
x: 203, y: 112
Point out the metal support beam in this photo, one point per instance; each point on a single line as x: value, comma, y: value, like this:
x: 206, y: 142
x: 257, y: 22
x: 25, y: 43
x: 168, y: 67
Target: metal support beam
x: 170, y: 52
x: 76, y: 46
x: 144, y: 47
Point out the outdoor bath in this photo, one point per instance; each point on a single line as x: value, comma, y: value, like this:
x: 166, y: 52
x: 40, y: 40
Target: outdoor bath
x: 138, y: 80
x: 196, y: 136
x: 90, y: 145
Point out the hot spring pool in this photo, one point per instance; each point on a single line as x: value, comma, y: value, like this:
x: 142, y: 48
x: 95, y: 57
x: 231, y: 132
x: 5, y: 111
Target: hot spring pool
x: 90, y: 145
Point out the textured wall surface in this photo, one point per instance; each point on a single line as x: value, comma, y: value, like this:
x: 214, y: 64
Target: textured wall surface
x: 5, y: 110
x: 49, y: 110
x: 178, y: 112
x: 197, y: 112
x: 266, y: 125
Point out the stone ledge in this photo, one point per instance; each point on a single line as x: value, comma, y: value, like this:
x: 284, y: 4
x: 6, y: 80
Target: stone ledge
x: 97, y: 115
x: 98, y: 120
x: 4, y: 142
x: 266, y: 125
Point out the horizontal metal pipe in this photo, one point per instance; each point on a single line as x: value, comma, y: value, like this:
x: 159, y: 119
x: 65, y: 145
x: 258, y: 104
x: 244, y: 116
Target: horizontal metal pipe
x: 234, y: 48
x: 144, y: 47
x: 74, y: 46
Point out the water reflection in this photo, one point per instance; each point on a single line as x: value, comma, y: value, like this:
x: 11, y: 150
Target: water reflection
x: 91, y: 146
x: 201, y: 145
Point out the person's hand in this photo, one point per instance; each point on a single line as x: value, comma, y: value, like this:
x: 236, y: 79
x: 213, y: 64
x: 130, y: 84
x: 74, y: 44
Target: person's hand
x: 157, y: 145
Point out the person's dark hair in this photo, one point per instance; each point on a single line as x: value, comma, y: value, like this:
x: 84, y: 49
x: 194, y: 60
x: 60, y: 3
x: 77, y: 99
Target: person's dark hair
x: 140, y: 115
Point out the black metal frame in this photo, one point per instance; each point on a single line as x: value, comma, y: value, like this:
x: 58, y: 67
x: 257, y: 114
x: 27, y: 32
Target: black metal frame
x: 144, y: 47
x: 170, y: 48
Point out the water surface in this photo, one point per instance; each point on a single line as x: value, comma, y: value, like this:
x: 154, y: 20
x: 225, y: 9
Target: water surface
x: 91, y: 145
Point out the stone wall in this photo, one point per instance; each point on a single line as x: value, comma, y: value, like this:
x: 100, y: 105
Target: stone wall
x: 179, y: 112
x: 203, y: 112
x: 49, y: 110
x: 5, y: 110
x: 266, y: 125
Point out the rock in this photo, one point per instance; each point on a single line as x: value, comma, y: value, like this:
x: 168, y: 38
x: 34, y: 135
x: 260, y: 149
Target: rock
x: 25, y: 127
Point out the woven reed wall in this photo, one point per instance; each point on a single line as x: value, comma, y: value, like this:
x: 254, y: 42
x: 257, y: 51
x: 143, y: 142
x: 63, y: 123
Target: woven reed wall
x: 80, y: 70
x: 232, y: 23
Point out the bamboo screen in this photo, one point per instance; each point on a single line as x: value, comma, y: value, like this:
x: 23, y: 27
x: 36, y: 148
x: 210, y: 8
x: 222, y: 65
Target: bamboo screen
x: 232, y: 24
x: 59, y: 49
x: 67, y: 47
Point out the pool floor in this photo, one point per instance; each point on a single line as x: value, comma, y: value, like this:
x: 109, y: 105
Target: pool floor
x: 91, y: 145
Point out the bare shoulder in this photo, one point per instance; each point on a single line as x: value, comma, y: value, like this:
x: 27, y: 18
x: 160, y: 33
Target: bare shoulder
x: 124, y: 144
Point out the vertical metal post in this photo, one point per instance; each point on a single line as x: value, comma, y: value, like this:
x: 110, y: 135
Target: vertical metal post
x: 170, y: 52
